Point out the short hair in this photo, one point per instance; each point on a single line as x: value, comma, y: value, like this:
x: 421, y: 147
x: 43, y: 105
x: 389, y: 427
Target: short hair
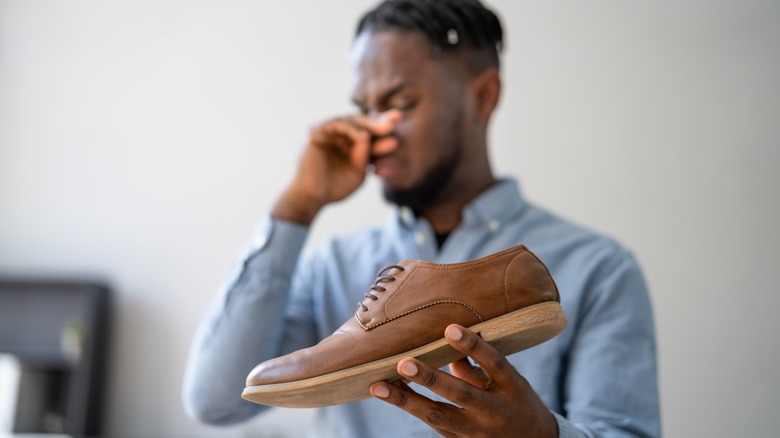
x: 449, y: 25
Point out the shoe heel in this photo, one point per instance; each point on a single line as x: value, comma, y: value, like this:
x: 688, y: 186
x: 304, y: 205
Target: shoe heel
x: 523, y: 328
x: 510, y: 333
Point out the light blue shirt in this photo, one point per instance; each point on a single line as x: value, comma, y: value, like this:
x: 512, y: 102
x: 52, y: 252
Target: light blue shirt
x: 598, y: 377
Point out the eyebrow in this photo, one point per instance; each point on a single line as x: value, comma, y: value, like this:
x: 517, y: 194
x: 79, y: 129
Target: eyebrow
x: 395, y: 89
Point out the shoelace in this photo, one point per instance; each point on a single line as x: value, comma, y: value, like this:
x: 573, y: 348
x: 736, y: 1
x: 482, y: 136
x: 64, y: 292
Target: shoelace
x: 381, y: 278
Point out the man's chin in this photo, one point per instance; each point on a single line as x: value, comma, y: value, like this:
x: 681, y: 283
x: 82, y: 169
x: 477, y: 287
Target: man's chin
x: 401, y: 198
x: 425, y: 191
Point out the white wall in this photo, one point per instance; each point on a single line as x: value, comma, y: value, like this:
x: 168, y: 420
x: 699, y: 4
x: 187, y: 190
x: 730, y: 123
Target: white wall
x: 140, y: 141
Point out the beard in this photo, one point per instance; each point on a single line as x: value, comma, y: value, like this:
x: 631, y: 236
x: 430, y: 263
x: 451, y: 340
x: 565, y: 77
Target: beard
x: 429, y: 188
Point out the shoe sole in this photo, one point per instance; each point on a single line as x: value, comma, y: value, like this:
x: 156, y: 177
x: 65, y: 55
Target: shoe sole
x: 508, y: 333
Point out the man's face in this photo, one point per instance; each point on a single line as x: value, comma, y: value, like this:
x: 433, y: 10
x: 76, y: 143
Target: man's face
x: 397, y: 70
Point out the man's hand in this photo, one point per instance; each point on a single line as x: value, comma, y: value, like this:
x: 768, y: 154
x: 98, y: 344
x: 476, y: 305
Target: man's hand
x: 491, y: 401
x: 333, y: 164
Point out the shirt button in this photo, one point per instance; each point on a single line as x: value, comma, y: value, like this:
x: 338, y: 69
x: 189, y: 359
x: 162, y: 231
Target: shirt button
x: 420, y: 238
x: 494, y: 225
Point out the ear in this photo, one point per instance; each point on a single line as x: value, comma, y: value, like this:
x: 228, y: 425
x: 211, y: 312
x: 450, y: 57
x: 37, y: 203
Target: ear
x: 486, y: 89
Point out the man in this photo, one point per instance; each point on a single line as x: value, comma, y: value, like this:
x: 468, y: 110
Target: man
x: 426, y: 83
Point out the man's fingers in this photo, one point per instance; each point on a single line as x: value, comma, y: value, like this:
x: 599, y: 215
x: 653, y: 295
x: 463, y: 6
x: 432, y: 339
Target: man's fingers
x: 357, y: 137
x: 493, y: 363
x: 381, y: 124
x: 463, y: 370
x: 343, y: 141
x: 507, y: 406
x: 381, y: 128
x: 328, y: 133
x: 441, y: 416
x: 452, y: 388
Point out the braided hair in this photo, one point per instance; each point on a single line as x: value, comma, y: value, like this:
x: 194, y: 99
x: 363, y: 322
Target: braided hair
x: 449, y: 25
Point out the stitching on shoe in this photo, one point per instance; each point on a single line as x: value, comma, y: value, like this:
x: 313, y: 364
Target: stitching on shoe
x: 448, y: 267
x: 416, y: 309
x: 517, y: 251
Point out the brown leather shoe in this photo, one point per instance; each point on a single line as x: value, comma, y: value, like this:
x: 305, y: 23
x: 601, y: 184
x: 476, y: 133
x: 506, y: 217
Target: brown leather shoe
x: 508, y: 297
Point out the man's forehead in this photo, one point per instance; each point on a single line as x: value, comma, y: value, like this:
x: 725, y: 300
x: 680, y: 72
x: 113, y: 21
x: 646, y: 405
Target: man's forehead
x: 388, y: 57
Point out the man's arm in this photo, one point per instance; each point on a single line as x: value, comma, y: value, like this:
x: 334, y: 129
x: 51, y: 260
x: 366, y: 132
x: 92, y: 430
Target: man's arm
x: 611, y: 387
x: 334, y: 163
x: 244, y: 327
x: 247, y: 324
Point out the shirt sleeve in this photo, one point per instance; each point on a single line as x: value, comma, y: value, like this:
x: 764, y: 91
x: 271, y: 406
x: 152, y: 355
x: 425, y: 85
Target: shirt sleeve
x: 611, y: 388
x: 243, y: 326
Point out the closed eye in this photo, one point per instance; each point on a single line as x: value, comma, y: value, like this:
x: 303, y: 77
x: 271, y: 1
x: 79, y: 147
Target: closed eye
x: 405, y: 106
